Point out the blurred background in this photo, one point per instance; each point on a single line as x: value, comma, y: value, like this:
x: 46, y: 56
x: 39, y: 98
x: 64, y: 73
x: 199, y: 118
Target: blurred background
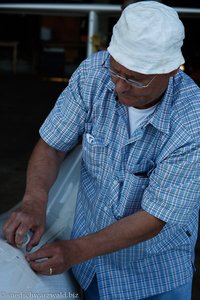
x: 51, y: 41
x: 40, y: 47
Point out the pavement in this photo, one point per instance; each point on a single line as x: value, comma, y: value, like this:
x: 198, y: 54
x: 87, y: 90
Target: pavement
x: 25, y: 101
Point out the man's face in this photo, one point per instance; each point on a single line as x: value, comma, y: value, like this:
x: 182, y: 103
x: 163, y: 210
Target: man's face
x: 138, y: 97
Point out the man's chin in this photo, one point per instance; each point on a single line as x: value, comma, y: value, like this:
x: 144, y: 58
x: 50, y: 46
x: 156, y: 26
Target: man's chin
x: 126, y: 101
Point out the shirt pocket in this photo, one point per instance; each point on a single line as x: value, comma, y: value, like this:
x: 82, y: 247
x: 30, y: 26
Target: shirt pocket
x: 137, y: 180
x: 94, y: 152
x: 133, y: 185
x: 141, y: 170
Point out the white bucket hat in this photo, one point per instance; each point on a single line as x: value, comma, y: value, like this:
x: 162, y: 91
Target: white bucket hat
x: 148, y: 38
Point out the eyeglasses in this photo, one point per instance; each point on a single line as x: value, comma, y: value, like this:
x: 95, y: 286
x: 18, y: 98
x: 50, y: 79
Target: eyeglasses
x: 129, y: 81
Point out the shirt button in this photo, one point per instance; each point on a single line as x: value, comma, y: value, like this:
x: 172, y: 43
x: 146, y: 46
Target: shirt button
x: 115, y: 182
x: 105, y: 208
x: 143, y: 187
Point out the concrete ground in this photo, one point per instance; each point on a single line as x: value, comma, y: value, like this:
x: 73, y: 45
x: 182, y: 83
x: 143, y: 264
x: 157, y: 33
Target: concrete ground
x: 24, y: 103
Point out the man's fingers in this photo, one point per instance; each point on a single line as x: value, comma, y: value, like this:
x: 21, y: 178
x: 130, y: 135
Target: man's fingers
x: 18, y: 225
x: 40, y: 253
x: 10, y: 228
x: 21, y: 235
x: 35, y: 238
x: 42, y: 266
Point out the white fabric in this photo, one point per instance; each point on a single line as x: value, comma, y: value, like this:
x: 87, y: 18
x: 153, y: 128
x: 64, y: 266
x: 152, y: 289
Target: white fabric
x: 17, y: 280
x: 148, y: 38
x: 137, y: 116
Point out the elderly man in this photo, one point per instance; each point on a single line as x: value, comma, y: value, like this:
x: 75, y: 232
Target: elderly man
x: 138, y: 116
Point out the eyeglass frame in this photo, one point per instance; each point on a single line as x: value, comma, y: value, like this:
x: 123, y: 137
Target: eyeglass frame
x: 130, y: 82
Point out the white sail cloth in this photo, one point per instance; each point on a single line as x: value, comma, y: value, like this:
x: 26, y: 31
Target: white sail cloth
x: 17, y: 280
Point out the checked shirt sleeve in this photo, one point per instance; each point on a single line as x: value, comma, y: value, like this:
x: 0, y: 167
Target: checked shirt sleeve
x: 174, y: 188
x: 65, y: 123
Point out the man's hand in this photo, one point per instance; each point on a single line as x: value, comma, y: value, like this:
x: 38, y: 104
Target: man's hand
x: 31, y: 216
x: 42, y: 171
x: 54, y: 258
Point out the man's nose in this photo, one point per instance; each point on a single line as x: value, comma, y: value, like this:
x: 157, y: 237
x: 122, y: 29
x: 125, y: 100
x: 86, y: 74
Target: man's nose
x: 121, y: 86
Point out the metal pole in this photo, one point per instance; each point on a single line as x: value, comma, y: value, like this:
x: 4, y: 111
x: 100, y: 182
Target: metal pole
x: 92, y: 29
x: 57, y: 8
x: 64, y: 8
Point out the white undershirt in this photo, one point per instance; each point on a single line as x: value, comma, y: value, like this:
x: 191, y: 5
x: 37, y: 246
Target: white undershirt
x: 137, y: 116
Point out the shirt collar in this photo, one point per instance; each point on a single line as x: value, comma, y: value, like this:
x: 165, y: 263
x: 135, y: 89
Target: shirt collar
x: 106, y: 63
x: 160, y: 119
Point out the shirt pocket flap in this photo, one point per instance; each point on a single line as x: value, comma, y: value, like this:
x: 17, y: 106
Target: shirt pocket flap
x: 94, y: 138
x: 95, y: 141
x: 142, y: 169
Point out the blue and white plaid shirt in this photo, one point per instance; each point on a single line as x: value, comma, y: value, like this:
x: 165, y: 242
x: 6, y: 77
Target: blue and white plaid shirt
x: 156, y: 169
